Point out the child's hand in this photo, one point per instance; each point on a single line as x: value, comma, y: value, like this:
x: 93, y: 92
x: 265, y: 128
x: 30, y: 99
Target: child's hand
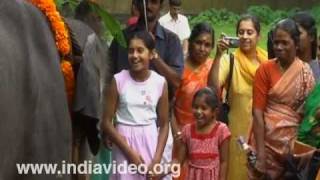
x: 152, y: 171
x: 151, y: 168
x: 106, y: 141
x: 135, y: 158
x: 152, y: 176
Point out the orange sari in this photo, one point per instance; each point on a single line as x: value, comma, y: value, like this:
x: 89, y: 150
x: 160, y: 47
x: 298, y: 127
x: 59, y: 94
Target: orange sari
x: 192, y: 81
x: 281, y: 115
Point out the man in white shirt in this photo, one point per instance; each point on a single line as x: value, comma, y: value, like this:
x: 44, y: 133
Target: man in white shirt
x: 177, y: 23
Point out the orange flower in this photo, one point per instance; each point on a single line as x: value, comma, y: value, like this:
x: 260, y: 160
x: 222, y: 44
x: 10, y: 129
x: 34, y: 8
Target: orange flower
x: 63, y: 44
x: 48, y: 7
x: 69, y: 79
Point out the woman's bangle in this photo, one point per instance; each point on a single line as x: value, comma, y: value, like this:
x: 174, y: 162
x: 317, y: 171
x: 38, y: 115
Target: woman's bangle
x: 177, y: 134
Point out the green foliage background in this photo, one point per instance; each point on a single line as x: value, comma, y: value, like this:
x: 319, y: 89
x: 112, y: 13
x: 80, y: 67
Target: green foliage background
x: 221, y: 20
x: 112, y: 25
x: 225, y: 21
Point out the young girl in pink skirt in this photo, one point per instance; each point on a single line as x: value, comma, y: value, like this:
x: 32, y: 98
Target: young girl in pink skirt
x: 138, y: 99
x: 205, y: 143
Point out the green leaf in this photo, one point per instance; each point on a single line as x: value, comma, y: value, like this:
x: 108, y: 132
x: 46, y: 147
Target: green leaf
x: 72, y: 3
x: 112, y: 25
x: 59, y: 3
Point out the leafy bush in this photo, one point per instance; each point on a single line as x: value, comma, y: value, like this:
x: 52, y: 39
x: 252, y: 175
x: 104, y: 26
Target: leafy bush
x: 265, y: 14
x: 225, y: 21
x: 214, y: 17
x: 315, y: 11
x: 112, y: 25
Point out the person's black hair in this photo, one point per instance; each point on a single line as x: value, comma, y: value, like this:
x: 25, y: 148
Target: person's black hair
x: 254, y: 19
x: 134, y: 8
x: 290, y: 27
x: 175, y: 2
x: 82, y: 10
x: 271, y: 54
x: 199, y: 29
x: 211, y: 97
x: 140, y: 8
x: 307, y: 22
x: 145, y: 36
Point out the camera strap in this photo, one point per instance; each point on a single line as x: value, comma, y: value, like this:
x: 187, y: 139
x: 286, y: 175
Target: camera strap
x: 229, y: 76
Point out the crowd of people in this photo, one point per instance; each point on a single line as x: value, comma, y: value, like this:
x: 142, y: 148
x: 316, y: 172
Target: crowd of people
x: 158, y: 100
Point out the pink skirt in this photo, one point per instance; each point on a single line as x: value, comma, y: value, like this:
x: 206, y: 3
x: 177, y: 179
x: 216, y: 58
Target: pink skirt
x: 143, y: 139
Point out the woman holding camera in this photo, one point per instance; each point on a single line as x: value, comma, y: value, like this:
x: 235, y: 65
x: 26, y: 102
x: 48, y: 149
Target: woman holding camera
x: 247, y: 59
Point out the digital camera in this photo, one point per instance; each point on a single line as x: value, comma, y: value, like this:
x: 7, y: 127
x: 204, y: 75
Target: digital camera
x: 233, y: 41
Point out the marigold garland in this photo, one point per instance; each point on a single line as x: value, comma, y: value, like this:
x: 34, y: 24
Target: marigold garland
x: 69, y: 79
x: 63, y: 43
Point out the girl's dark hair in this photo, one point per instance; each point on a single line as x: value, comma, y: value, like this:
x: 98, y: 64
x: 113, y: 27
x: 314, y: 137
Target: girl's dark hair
x: 211, y: 97
x: 307, y: 22
x: 254, y: 19
x: 290, y: 27
x: 271, y: 54
x: 175, y: 2
x: 199, y: 29
x: 145, y: 36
